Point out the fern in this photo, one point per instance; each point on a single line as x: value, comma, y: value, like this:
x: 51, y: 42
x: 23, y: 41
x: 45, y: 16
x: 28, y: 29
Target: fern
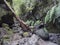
x: 50, y: 15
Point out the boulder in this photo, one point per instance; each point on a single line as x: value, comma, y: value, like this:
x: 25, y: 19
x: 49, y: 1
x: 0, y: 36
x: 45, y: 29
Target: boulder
x: 42, y: 33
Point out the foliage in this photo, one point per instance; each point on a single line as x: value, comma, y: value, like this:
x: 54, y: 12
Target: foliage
x: 6, y: 37
x: 32, y: 23
x: 57, y: 12
x: 35, y: 9
x: 21, y: 6
x: 50, y: 15
x: 32, y: 8
x: 8, y: 30
x: 37, y: 22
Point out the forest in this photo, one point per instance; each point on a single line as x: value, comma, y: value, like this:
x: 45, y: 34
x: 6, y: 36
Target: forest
x: 29, y: 22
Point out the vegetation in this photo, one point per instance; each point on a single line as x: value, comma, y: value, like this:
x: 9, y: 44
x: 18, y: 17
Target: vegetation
x: 23, y: 18
x: 32, y: 12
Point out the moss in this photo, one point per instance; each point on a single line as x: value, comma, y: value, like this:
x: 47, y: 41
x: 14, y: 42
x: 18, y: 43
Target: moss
x: 6, y: 38
x: 25, y: 34
x: 8, y: 30
x: 5, y: 25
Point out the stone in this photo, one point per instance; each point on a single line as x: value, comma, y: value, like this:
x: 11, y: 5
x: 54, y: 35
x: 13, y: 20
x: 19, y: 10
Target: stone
x: 23, y: 41
x: 2, y: 32
x: 42, y: 33
x: 6, y: 43
x: 54, y: 37
x: 15, y: 37
x: 21, y: 32
x: 14, y: 42
x: 17, y: 29
x: 42, y: 42
x: 33, y: 40
x: 10, y: 42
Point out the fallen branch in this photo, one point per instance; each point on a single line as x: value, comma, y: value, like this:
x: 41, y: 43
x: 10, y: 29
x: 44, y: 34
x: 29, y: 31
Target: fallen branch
x: 22, y: 23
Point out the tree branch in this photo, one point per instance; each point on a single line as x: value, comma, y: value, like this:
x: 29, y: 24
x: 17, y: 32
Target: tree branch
x: 22, y: 23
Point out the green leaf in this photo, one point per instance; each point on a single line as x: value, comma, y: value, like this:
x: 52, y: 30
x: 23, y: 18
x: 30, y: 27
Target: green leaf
x: 32, y: 23
x: 50, y: 15
x: 28, y: 22
x: 47, y: 17
x: 37, y: 22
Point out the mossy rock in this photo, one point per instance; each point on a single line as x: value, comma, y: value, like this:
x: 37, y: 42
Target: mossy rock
x: 6, y: 38
x: 8, y: 30
x: 26, y: 34
x: 5, y: 25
